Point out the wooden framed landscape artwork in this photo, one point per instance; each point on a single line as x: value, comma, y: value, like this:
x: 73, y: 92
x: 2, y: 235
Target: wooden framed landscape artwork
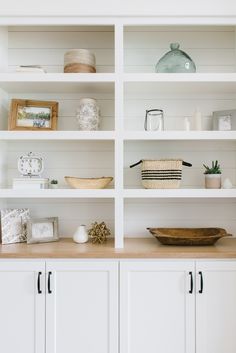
x: 33, y: 115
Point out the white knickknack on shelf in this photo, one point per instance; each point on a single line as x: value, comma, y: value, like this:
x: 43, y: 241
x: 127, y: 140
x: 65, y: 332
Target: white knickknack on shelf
x: 30, y: 166
x: 87, y: 114
x: 14, y: 225
x: 30, y: 183
x: 81, y: 235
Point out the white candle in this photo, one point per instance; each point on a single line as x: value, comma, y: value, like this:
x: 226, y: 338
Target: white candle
x: 187, y: 124
x: 198, y: 119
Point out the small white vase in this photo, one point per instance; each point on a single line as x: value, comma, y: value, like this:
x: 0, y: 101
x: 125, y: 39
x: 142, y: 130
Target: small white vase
x: 81, y: 235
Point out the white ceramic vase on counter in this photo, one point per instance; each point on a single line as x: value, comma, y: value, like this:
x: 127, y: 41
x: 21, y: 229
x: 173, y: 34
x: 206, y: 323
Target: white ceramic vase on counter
x: 87, y: 114
x: 81, y: 235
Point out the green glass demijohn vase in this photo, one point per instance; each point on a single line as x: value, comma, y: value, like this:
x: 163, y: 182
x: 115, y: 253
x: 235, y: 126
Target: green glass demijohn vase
x: 175, y: 60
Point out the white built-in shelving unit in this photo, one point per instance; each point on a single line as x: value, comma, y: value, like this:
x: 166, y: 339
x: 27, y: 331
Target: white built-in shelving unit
x: 125, y: 85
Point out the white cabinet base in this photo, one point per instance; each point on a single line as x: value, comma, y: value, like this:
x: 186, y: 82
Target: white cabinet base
x: 22, y: 318
x: 82, y: 310
x: 157, y: 310
x: 77, y: 306
x: 216, y: 307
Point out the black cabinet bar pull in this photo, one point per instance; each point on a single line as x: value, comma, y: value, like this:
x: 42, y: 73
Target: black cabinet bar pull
x: 201, y: 282
x: 38, y: 283
x: 49, y: 282
x: 191, y: 282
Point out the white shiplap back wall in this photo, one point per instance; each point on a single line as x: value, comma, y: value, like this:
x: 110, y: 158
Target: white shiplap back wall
x: 4, y: 109
x: 195, y: 152
x: 71, y: 213
x: 68, y: 103
x: 65, y: 158
x: 211, y: 47
x: 213, y: 50
x: 176, y: 107
x: 3, y: 163
x: 46, y: 45
x: 74, y: 158
x: 141, y: 214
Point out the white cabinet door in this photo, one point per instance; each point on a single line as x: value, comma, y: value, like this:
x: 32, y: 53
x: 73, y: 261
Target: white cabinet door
x: 216, y: 307
x: 22, y: 315
x: 157, y: 310
x: 82, y: 308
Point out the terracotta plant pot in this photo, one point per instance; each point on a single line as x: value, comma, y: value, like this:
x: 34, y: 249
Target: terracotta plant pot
x: 212, y: 181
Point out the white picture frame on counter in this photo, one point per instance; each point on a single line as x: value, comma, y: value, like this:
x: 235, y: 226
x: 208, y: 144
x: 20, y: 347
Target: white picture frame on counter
x: 14, y: 225
x: 42, y: 230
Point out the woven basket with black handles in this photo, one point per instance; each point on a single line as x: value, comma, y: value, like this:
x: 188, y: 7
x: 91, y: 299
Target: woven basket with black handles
x: 161, y: 174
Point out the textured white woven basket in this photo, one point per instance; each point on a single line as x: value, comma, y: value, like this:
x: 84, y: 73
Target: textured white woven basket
x: 161, y: 174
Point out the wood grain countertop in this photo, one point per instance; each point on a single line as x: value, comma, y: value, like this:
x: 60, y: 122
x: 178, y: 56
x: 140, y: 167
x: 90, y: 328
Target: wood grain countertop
x: 136, y: 248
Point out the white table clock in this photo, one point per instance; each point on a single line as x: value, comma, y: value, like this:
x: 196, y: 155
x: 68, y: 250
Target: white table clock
x: 30, y: 167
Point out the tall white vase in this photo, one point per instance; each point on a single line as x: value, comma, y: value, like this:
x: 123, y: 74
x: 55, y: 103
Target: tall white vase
x: 81, y: 235
x: 87, y: 114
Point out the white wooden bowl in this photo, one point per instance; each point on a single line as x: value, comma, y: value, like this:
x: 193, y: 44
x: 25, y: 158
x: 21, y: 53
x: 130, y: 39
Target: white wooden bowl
x: 88, y: 183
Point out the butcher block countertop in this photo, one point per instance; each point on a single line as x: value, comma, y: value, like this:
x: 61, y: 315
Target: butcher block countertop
x: 135, y: 248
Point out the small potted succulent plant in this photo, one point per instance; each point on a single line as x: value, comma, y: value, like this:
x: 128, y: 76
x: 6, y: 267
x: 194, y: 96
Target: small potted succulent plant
x: 212, y: 176
x: 54, y: 184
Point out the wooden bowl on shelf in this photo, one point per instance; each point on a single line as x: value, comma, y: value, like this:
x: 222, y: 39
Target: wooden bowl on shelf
x: 188, y: 236
x: 88, y: 183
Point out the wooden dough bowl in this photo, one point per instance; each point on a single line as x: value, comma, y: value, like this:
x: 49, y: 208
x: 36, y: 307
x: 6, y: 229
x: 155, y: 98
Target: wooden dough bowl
x: 188, y: 236
x: 88, y: 183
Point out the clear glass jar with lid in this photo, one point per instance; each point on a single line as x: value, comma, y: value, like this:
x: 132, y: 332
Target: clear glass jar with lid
x: 175, y: 60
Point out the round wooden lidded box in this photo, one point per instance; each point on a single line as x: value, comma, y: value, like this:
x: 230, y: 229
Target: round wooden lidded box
x: 79, y: 60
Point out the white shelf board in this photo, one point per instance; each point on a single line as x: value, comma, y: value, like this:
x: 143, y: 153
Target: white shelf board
x: 179, y: 135
x: 180, y: 77
x: 56, y: 135
x: 57, y: 82
x: 180, y: 83
x: 179, y: 193
x: 57, y: 193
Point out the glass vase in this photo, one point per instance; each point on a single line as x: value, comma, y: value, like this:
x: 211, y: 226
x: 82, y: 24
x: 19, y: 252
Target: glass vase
x: 175, y: 60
